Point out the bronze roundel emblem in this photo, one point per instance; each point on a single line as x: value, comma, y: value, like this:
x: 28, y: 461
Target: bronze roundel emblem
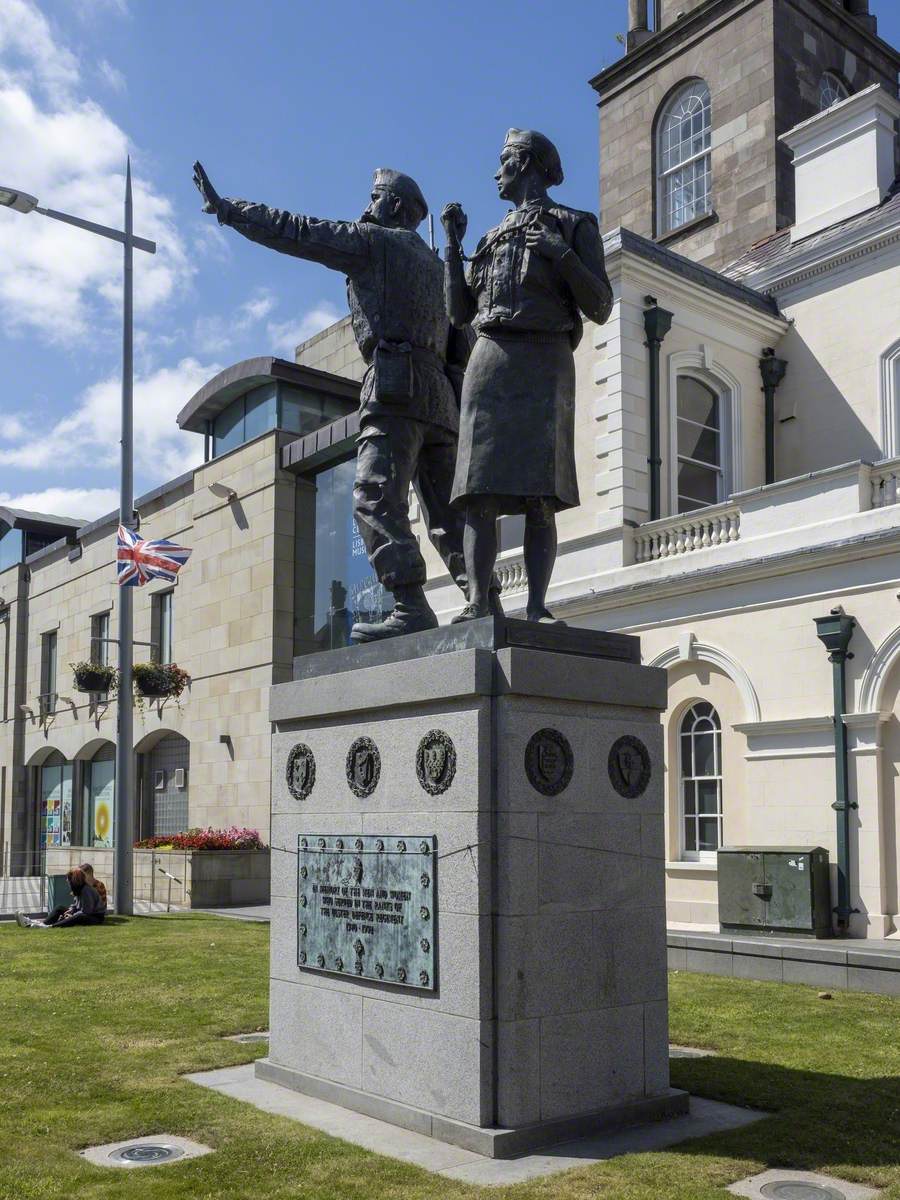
x: 549, y: 762
x: 300, y: 772
x: 436, y: 762
x: 363, y: 767
x: 629, y: 766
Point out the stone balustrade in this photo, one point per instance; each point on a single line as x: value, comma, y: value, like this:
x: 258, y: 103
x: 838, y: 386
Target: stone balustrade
x: 512, y: 576
x: 714, y: 526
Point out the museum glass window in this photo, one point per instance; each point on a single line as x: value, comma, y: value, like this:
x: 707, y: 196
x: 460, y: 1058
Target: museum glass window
x: 341, y: 588
x: 700, y: 754
x: 11, y: 546
x: 698, y: 438
x: 55, y: 797
x: 99, y: 790
x: 832, y: 90
x: 684, y: 158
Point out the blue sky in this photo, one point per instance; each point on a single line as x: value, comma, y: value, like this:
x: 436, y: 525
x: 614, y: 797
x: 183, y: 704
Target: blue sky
x: 286, y: 101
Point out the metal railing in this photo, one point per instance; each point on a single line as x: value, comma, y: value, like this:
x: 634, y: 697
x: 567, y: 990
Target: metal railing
x: 23, y: 881
x: 702, y: 530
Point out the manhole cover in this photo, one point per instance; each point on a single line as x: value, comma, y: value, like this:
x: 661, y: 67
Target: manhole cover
x: 147, y: 1153
x: 791, y: 1189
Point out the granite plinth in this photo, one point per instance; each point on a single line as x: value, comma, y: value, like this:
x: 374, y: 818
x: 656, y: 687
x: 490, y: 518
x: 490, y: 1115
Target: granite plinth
x: 549, y: 1014
x: 487, y: 633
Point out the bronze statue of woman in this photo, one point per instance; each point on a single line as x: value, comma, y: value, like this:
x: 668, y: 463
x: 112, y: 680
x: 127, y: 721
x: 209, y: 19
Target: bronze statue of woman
x: 524, y: 291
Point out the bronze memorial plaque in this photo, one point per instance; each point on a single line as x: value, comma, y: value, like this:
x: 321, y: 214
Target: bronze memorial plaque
x: 366, y: 906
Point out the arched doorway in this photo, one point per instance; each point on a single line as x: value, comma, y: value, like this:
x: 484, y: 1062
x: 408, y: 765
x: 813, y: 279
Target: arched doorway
x: 164, y: 760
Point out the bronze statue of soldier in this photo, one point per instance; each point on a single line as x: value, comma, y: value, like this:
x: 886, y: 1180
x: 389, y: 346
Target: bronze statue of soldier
x: 409, y: 410
x: 526, y: 287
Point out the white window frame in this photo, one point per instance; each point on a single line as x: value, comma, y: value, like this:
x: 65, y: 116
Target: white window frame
x: 838, y: 87
x: 701, y: 365
x: 889, y: 368
x: 700, y: 855
x: 663, y: 173
x: 162, y: 633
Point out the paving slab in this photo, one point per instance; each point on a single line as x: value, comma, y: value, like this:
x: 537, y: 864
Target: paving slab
x: 241, y: 1083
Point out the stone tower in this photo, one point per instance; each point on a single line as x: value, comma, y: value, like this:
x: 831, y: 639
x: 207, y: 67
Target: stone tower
x: 691, y: 115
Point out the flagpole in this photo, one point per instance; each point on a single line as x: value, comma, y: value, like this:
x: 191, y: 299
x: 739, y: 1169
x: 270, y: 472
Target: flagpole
x: 124, y: 794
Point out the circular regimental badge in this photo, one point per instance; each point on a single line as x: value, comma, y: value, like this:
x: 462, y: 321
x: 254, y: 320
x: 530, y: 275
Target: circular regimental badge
x: 436, y: 762
x: 629, y: 766
x: 363, y: 767
x: 549, y: 761
x: 300, y: 771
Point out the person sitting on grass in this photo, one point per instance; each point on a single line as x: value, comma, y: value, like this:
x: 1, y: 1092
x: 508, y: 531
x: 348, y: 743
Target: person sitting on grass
x: 97, y: 884
x: 85, y: 909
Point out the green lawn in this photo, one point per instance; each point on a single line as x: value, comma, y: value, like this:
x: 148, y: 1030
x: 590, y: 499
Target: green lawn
x: 96, y: 1026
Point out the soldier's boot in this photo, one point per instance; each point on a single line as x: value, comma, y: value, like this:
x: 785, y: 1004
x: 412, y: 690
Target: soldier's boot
x: 412, y: 614
x: 471, y: 613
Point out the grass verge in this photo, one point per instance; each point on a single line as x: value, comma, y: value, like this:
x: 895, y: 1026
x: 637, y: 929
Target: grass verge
x: 97, y: 1025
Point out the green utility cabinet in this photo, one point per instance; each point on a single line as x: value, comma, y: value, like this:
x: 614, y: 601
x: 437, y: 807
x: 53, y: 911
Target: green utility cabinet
x: 58, y: 892
x: 775, y: 889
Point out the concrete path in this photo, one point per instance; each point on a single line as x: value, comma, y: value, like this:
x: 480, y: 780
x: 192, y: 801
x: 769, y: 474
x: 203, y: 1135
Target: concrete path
x: 706, y: 1116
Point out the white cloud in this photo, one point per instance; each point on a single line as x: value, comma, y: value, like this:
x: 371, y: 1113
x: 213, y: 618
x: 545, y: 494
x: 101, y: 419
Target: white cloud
x: 64, y: 148
x: 84, y: 504
x: 12, y: 427
x: 30, y: 52
x: 88, y: 439
x: 285, y: 336
x: 111, y: 76
x: 217, y: 334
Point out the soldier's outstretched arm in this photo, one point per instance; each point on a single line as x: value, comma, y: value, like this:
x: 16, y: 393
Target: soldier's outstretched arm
x: 584, y: 270
x: 341, y: 245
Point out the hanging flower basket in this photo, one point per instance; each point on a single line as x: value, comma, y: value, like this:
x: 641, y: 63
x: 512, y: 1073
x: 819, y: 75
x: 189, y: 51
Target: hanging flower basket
x: 94, y: 677
x: 155, y: 681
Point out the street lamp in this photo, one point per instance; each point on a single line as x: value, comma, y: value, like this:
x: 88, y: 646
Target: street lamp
x: 124, y: 817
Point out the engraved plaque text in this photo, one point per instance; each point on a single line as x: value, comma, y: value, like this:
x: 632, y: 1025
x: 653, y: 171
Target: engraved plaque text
x: 366, y: 907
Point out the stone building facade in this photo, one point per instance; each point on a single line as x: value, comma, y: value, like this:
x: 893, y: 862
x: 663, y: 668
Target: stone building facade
x: 763, y: 62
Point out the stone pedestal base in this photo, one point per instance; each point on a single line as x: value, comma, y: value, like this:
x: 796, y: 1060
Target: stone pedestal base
x: 532, y: 757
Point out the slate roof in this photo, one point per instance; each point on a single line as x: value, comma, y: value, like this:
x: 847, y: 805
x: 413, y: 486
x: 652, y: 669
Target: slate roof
x: 634, y: 243
x: 776, y: 252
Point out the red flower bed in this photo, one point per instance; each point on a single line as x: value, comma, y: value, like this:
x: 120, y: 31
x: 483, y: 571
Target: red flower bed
x: 205, y: 839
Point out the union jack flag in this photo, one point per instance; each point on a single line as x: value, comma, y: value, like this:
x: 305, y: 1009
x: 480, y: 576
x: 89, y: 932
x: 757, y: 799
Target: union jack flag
x: 140, y: 561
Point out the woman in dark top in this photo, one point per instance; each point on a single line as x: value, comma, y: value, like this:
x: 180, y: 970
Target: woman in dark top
x: 86, y: 908
x: 528, y: 283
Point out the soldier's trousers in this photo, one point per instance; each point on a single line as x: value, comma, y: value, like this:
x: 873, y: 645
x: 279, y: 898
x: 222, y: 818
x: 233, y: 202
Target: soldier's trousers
x: 392, y: 453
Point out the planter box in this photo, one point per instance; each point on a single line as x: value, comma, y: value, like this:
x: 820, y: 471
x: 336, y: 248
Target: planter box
x: 89, y: 681
x: 203, y: 878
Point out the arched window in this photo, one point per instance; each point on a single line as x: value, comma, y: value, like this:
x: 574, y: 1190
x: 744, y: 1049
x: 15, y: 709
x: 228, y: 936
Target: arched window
x: 832, y: 90
x: 698, y: 434
x: 700, y: 740
x: 684, y: 160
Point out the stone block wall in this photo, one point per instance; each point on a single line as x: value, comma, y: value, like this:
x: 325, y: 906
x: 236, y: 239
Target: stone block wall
x: 762, y: 60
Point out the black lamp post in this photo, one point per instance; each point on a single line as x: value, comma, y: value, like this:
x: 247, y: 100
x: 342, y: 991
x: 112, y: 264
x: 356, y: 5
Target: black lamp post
x: 835, y: 632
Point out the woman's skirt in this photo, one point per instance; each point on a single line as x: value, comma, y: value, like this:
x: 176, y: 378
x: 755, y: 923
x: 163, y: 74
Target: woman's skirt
x: 517, y: 422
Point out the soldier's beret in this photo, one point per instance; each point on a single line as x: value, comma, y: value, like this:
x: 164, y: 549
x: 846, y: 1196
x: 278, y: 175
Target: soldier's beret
x: 545, y: 153
x: 401, y: 185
